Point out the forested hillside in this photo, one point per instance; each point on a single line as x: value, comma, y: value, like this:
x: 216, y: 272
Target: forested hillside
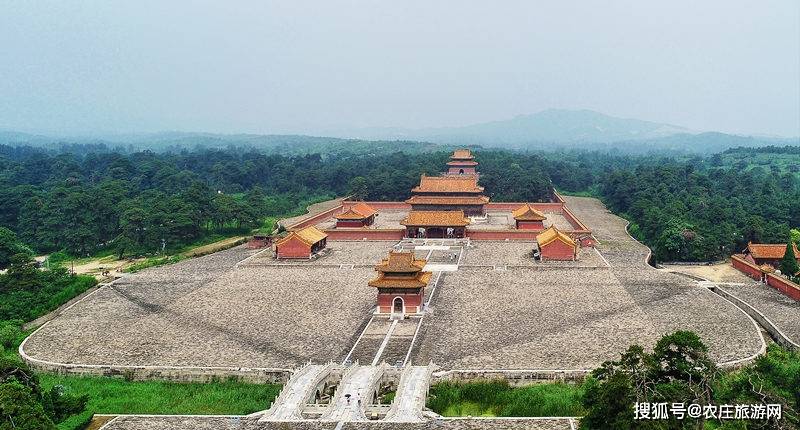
x: 685, y: 209
x: 145, y: 201
x: 697, y: 209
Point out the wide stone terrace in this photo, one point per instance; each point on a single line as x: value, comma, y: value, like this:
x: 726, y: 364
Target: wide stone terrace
x: 531, y: 319
x: 573, y: 318
x: 205, y: 312
x: 782, y: 310
x: 504, y: 220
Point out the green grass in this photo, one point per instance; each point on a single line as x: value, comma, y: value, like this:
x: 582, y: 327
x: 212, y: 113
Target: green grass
x: 593, y: 191
x: 497, y: 398
x: 118, y: 396
x: 267, y: 225
x: 152, y: 262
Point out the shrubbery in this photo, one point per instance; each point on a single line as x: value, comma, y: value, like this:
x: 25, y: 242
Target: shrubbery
x: 25, y: 405
x: 26, y: 292
x: 498, y: 398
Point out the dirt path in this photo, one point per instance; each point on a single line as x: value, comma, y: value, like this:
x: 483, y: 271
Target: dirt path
x: 719, y: 272
x: 97, y: 266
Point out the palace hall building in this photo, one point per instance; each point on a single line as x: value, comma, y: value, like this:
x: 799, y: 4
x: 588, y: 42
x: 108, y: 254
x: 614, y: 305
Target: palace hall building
x: 435, y: 224
x: 448, y: 193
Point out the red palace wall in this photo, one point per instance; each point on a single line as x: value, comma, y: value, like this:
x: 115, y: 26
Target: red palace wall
x: 784, y: 286
x: 382, y: 234
x: 293, y: 249
x: 381, y: 205
x: 502, y: 234
x: 557, y: 250
x: 746, y: 267
x: 412, y: 301
x: 349, y: 223
x: 530, y: 225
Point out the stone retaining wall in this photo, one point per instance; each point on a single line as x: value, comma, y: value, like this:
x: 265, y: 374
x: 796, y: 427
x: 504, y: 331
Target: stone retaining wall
x: 175, y: 374
x: 515, y: 378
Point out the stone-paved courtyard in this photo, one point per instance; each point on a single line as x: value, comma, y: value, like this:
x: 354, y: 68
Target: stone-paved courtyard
x: 782, y: 310
x: 204, y: 312
x: 208, y: 312
x: 573, y: 317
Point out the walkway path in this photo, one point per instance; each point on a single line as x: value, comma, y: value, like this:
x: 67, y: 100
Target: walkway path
x: 411, y: 395
x: 359, y: 385
x: 295, y: 394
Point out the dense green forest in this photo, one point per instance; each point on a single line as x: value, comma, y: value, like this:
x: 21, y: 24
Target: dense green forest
x: 144, y: 201
x: 684, y: 208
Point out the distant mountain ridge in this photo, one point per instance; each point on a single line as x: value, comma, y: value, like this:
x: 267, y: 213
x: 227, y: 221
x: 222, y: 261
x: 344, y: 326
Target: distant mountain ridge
x: 548, y: 126
x: 548, y: 129
x: 560, y: 128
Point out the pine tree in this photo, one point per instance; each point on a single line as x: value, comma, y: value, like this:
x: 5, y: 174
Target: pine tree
x: 789, y: 264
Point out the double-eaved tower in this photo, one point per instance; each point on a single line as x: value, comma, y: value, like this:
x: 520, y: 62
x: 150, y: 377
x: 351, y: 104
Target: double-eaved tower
x: 462, y: 163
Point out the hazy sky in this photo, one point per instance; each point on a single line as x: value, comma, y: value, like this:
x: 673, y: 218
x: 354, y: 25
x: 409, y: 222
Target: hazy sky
x: 296, y: 66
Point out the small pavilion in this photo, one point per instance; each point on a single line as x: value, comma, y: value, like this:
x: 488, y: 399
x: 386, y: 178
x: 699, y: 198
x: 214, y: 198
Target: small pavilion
x: 357, y: 215
x: 528, y: 218
x: 301, y: 243
x: 556, y: 245
x: 401, y: 283
x: 435, y: 224
x: 462, y: 162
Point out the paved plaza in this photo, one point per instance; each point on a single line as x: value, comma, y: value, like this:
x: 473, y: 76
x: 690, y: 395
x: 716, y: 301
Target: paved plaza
x: 499, y: 310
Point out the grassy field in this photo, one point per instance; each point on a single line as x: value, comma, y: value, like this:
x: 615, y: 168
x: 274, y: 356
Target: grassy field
x: 498, y: 399
x: 117, y: 396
